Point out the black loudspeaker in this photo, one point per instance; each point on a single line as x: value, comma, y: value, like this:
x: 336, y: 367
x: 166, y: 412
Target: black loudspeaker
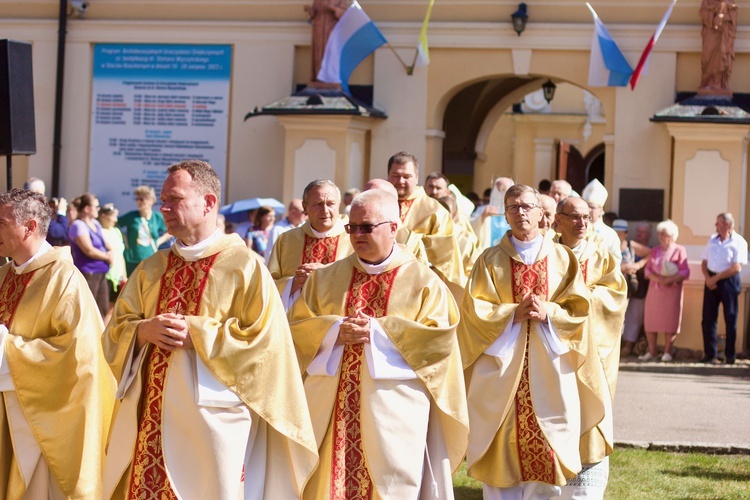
x: 17, y: 133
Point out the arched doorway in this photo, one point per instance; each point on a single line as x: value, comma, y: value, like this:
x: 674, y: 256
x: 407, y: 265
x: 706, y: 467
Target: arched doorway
x: 463, y: 120
x: 501, y: 127
x: 594, y: 162
x: 571, y: 166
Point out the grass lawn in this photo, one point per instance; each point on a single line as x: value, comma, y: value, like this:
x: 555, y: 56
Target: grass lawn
x: 638, y: 473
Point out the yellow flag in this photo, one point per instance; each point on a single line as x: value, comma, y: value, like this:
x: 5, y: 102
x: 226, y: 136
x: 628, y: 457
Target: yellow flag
x: 423, y: 50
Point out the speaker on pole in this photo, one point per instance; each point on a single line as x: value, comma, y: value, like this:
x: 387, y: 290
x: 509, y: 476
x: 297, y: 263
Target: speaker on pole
x: 17, y: 132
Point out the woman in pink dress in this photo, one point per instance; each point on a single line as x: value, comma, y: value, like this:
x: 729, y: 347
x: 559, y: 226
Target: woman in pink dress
x: 667, y: 269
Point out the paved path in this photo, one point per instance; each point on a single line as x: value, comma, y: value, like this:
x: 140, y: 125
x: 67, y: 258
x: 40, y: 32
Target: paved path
x: 682, y: 410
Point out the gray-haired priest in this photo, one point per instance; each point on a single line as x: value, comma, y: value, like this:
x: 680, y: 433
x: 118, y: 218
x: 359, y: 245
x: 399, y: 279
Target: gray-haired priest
x: 375, y: 336
x: 318, y: 242
x: 57, y: 392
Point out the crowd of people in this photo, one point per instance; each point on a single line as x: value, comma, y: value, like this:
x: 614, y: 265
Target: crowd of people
x: 358, y: 348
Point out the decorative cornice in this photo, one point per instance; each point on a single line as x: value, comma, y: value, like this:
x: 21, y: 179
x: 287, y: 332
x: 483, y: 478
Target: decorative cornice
x: 453, y: 35
x: 719, y: 133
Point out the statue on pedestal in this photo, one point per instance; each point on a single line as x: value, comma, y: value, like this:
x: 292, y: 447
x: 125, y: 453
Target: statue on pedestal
x: 719, y: 31
x: 324, y: 14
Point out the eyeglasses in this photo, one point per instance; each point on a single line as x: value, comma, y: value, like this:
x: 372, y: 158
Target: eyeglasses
x: 526, y: 207
x: 578, y: 217
x: 363, y: 228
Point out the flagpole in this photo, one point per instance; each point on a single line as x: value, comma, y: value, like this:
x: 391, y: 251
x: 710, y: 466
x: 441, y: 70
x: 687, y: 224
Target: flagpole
x: 408, y: 70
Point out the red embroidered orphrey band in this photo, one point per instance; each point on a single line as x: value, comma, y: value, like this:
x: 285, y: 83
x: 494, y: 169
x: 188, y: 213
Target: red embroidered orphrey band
x: 180, y: 292
x: 350, y: 477
x: 585, y: 270
x: 403, y: 208
x: 14, y: 285
x: 321, y: 250
x: 535, y: 455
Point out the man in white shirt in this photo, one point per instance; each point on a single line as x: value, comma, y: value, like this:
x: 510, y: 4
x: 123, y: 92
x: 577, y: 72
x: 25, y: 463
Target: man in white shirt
x: 722, y: 261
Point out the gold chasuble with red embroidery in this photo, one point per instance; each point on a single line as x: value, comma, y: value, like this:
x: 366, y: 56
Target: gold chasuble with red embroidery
x: 425, y: 215
x: 368, y: 294
x: 60, y: 377
x: 187, y: 415
x: 180, y: 292
x: 597, y: 378
x: 523, y: 402
x: 300, y: 246
x: 374, y: 433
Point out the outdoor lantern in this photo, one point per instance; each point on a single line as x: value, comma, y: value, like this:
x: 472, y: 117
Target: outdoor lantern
x: 519, y: 18
x: 549, y: 90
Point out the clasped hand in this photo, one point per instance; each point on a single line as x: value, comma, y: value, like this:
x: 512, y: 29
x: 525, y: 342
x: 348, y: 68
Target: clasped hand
x: 302, y: 273
x: 168, y: 331
x: 354, y: 330
x: 530, y: 308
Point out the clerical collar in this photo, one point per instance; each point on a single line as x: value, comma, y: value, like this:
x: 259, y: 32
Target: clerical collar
x: 380, y: 267
x: 194, y: 252
x: 325, y: 233
x: 528, y: 250
x: 319, y: 235
x: 43, y: 248
x: 579, y: 248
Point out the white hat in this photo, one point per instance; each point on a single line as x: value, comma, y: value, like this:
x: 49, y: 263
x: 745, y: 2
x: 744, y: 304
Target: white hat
x: 620, y: 225
x: 595, y: 193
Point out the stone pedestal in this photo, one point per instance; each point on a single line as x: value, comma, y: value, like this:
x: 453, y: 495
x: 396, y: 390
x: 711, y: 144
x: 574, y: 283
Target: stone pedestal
x: 327, y: 147
x: 709, y: 176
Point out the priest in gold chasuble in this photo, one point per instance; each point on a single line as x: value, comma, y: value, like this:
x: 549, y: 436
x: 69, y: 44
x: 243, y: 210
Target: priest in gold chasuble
x: 200, y: 347
x: 57, y: 391
x: 522, y: 338
x: 375, y: 337
x: 597, y: 376
x: 424, y: 215
x: 411, y: 240
x: 438, y: 187
x: 321, y: 240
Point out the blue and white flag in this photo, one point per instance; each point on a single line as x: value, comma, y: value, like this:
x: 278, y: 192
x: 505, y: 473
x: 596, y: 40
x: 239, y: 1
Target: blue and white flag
x: 608, y: 67
x: 353, y: 38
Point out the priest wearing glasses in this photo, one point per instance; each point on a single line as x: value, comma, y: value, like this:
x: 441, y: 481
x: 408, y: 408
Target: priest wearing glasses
x: 522, y: 339
x: 375, y: 337
x: 597, y: 377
